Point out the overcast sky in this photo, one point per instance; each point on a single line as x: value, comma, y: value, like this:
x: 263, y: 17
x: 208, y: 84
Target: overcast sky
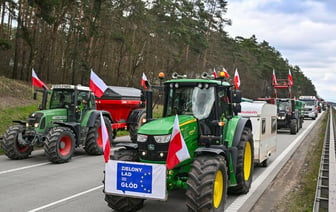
x: 303, y: 31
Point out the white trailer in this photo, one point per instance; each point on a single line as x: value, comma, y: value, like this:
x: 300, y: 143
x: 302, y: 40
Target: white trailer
x: 264, y: 128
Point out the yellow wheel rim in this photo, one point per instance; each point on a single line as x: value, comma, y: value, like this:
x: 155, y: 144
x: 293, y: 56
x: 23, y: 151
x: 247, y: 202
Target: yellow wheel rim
x: 247, y: 161
x: 218, y: 189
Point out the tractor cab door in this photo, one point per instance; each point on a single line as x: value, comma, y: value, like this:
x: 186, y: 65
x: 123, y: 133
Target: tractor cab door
x: 84, y: 102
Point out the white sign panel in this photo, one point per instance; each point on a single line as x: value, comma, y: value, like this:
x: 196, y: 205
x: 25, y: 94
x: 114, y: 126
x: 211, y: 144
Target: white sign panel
x: 135, y: 179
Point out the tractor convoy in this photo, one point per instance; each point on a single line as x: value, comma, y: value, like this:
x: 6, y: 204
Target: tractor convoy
x: 224, y: 134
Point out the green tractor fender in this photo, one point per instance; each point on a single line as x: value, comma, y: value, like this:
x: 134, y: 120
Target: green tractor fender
x: 242, y: 123
x: 91, y: 116
x: 216, y: 150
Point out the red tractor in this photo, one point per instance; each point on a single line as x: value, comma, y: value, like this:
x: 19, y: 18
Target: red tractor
x: 126, y: 106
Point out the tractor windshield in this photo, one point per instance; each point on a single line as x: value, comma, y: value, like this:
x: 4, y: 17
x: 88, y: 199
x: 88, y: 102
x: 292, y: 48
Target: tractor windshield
x: 61, y: 98
x: 190, y: 100
x: 202, y: 101
x: 309, y: 102
x: 283, y: 106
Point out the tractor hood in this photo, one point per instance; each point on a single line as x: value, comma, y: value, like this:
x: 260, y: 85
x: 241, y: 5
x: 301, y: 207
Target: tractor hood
x: 42, y: 119
x: 55, y: 114
x: 164, y: 126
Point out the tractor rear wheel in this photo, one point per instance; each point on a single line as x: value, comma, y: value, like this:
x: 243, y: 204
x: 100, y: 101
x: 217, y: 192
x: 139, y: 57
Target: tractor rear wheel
x: 94, y: 141
x: 60, y: 144
x: 120, y: 203
x: 244, y: 168
x: 133, y: 128
x: 10, y: 145
x: 207, y: 184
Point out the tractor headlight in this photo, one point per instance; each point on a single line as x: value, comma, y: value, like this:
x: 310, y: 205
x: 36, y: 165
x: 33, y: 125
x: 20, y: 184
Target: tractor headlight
x: 162, y: 138
x: 142, y: 138
x: 36, y: 125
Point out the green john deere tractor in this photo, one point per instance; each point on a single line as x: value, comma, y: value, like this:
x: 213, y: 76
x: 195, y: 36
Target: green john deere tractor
x: 70, y: 121
x: 219, y: 142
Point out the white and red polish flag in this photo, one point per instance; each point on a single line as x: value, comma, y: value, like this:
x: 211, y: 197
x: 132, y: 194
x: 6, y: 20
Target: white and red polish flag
x: 290, y: 79
x: 105, y: 138
x: 236, y: 79
x: 274, y: 80
x: 144, y: 81
x: 215, y: 73
x: 37, y: 82
x: 177, y: 151
x: 226, y: 73
x: 97, y: 85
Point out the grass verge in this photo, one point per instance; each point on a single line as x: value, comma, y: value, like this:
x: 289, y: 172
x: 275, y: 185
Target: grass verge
x: 302, y: 199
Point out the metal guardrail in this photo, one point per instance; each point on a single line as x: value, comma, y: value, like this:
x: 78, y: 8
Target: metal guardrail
x: 325, y: 196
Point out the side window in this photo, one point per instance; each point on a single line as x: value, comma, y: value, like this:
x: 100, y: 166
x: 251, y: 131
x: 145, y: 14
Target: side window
x: 274, y: 124
x: 263, y: 126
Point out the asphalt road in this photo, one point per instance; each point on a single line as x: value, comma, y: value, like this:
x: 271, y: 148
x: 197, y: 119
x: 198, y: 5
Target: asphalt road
x: 35, y: 184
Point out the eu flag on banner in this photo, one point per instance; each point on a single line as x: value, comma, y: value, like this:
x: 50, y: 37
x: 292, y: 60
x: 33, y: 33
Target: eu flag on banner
x: 134, y: 177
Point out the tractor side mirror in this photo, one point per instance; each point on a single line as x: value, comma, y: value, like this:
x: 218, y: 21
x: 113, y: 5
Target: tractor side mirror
x: 236, y: 96
x: 236, y: 107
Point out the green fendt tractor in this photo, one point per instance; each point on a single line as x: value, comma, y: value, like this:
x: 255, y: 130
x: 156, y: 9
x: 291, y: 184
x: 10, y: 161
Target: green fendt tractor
x: 70, y: 121
x: 219, y: 142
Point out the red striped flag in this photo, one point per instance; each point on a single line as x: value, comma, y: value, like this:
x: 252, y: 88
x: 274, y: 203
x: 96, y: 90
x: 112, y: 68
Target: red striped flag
x: 144, y: 81
x: 236, y: 80
x: 106, y: 139
x: 226, y: 73
x: 274, y: 80
x: 290, y: 79
x: 177, y: 151
x: 37, y: 82
x: 214, y: 73
x: 97, y: 85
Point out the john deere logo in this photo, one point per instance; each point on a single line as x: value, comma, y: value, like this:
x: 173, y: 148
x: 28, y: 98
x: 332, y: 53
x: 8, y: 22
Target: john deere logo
x: 151, y: 147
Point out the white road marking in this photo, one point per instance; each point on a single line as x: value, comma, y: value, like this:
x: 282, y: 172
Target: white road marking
x: 65, y: 199
x: 22, y: 168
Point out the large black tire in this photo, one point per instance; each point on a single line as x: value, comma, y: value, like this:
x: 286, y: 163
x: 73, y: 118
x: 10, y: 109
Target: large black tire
x: 60, y: 144
x: 207, y: 184
x: 94, y: 141
x: 244, y: 170
x: 121, y: 203
x: 133, y: 128
x: 11, y: 146
x: 293, y: 127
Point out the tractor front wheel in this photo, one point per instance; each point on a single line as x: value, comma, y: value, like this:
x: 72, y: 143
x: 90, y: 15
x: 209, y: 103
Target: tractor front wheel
x: 293, y: 127
x: 244, y: 168
x: 121, y: 203
x: 10, y: 145
x: 60, y: 144
x: 94, y: 141
x: 207, y: 184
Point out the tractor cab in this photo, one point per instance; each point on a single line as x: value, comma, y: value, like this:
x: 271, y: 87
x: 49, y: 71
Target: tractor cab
x: 76, y: 100
x: 208, y: 100
x: 288, y: 116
